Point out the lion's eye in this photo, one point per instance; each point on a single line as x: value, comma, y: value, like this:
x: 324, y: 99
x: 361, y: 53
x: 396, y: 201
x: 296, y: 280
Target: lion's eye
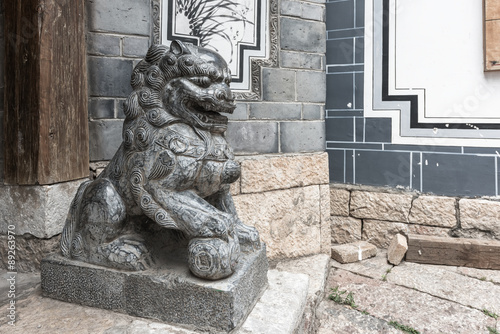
x: 203, y: 82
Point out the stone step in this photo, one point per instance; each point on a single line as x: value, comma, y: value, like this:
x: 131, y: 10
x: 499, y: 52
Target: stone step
x: 287, y: 306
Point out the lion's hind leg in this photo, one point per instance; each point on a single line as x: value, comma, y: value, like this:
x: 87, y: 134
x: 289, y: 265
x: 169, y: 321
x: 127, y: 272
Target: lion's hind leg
x: 101, y: 237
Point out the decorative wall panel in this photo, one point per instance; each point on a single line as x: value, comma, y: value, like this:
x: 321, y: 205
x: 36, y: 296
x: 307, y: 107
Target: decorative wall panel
x: 241, y: 31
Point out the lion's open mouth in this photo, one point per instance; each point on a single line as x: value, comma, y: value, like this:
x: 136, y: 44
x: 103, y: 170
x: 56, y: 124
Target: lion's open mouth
x: 208, y: 112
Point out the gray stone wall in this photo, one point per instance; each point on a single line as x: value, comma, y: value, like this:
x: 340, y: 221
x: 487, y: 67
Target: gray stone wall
x: 288, y: 119
x: 118, y: 37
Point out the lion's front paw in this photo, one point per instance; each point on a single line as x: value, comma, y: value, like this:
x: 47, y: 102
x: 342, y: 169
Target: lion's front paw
x: 248, y: 236
x: 127, y: 253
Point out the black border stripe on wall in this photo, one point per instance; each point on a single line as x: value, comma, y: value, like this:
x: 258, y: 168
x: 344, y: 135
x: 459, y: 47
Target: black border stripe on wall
x: 413, y: 99
x: 193, y: 40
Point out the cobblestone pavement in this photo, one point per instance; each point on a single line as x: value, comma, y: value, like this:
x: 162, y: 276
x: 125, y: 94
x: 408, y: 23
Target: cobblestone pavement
x: 380, y: 297
x: 423, y: 298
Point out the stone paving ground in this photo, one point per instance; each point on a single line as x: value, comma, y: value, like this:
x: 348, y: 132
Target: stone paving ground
x: 425, y: 298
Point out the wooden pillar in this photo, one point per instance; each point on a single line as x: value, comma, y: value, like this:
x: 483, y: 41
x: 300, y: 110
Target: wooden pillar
x: 46, y: 123
x: 491, y: 33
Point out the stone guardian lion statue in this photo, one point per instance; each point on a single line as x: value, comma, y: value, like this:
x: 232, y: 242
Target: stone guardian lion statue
x: 171, y: 172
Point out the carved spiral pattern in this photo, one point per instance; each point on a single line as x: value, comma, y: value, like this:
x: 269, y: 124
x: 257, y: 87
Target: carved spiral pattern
x: 155, y: 53
x: 164, y: 219
x: 136, y: 181
x: 128, y: 138
x: 155, y: 78
x: 149, y: 98
x: 142, y: 137
x: 131, y: 106
x: 137, y: 79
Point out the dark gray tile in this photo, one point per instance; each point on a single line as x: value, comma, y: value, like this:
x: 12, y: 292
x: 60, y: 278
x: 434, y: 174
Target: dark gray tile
x: 415, y: 171
x: 339, y: 91
x: 356, y: 146
x: 360, y: 129
x: 120, y: 108
x: 344, y: 113
x: 355, y: 32
x: 378, y: 130
x: 340, y: 129
x: 458, y: 175
x: 422, y: 148
x: 482, y: 150
x: 109, y: 77
x: 340, y: 51
x: 105, y: 138
x: 345, y: 68
x: 135, y: 46
x: 359, y: 88
x: 349, y: 166
x: 336, y: 165
x: 340, y: 15
x: 360, y: 13
x: 383, y: 168
x: 359, y: 50
x: 101, y: 108
x: 102, y: 44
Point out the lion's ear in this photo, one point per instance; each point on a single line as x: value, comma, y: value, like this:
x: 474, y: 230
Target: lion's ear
x: 178, y: 48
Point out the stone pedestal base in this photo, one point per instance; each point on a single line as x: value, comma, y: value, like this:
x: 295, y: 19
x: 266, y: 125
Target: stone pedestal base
x: 170, y: 293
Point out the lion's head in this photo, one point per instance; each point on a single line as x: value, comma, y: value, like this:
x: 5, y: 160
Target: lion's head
x: 181, y: 83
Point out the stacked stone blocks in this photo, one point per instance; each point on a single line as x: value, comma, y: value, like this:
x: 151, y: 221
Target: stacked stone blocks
x: 377, y: 214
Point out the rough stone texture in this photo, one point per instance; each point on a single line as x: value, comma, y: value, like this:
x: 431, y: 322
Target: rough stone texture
x: 253, y: 137
x: 278, y: 85
x: 103, y: 44
x: 37, y: 210
x: 275, y: 111
x: 292, y: 59
x: 353, y: 252
x: 380, y: 233
x: 288, y: 221
x: 316, y: 267
x: 429, y: 230
x: 135, y: 46
x: 29, y: 251
x: 109, y: 131
x: 380, y: 206
x: 434, y: 211
x: 492, y: 276
x: 397, y: 249
x: 109, y: 76
x: 311, y: 92
x: 169, y: 293
x: 302, y: 136
x: 37, y: 314
x: 121, y: 16
x: 376, y: 267
x: 480, y: 214
x: 312, y: 111
x: 266, y: 173
x: 324, y: 210
x: 25, y: 284
x: 339, y: 202
x: 280, y: 308
x: 421, y: 311
x: 448, y: 285
x: 300, y: 35
x: 334, y: 318
x: 345, y: 229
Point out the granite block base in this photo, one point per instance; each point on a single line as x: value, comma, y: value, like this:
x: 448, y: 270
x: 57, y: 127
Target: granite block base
x: 169, y: 293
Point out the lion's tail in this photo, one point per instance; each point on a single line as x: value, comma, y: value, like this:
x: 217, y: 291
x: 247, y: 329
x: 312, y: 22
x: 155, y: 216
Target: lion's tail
x: 71, y: 221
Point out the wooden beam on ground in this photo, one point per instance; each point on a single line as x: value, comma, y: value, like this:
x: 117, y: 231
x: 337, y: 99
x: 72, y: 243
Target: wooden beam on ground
x: 45, y: 120
x: 474, y: 253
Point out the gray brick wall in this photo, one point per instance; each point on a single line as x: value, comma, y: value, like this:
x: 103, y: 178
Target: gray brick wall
x: 290, y: 117
x: 118, y: 37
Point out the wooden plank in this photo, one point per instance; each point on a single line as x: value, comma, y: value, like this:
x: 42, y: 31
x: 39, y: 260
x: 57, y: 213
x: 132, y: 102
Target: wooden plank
x: 483, y: 254
x: 46, y: 123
